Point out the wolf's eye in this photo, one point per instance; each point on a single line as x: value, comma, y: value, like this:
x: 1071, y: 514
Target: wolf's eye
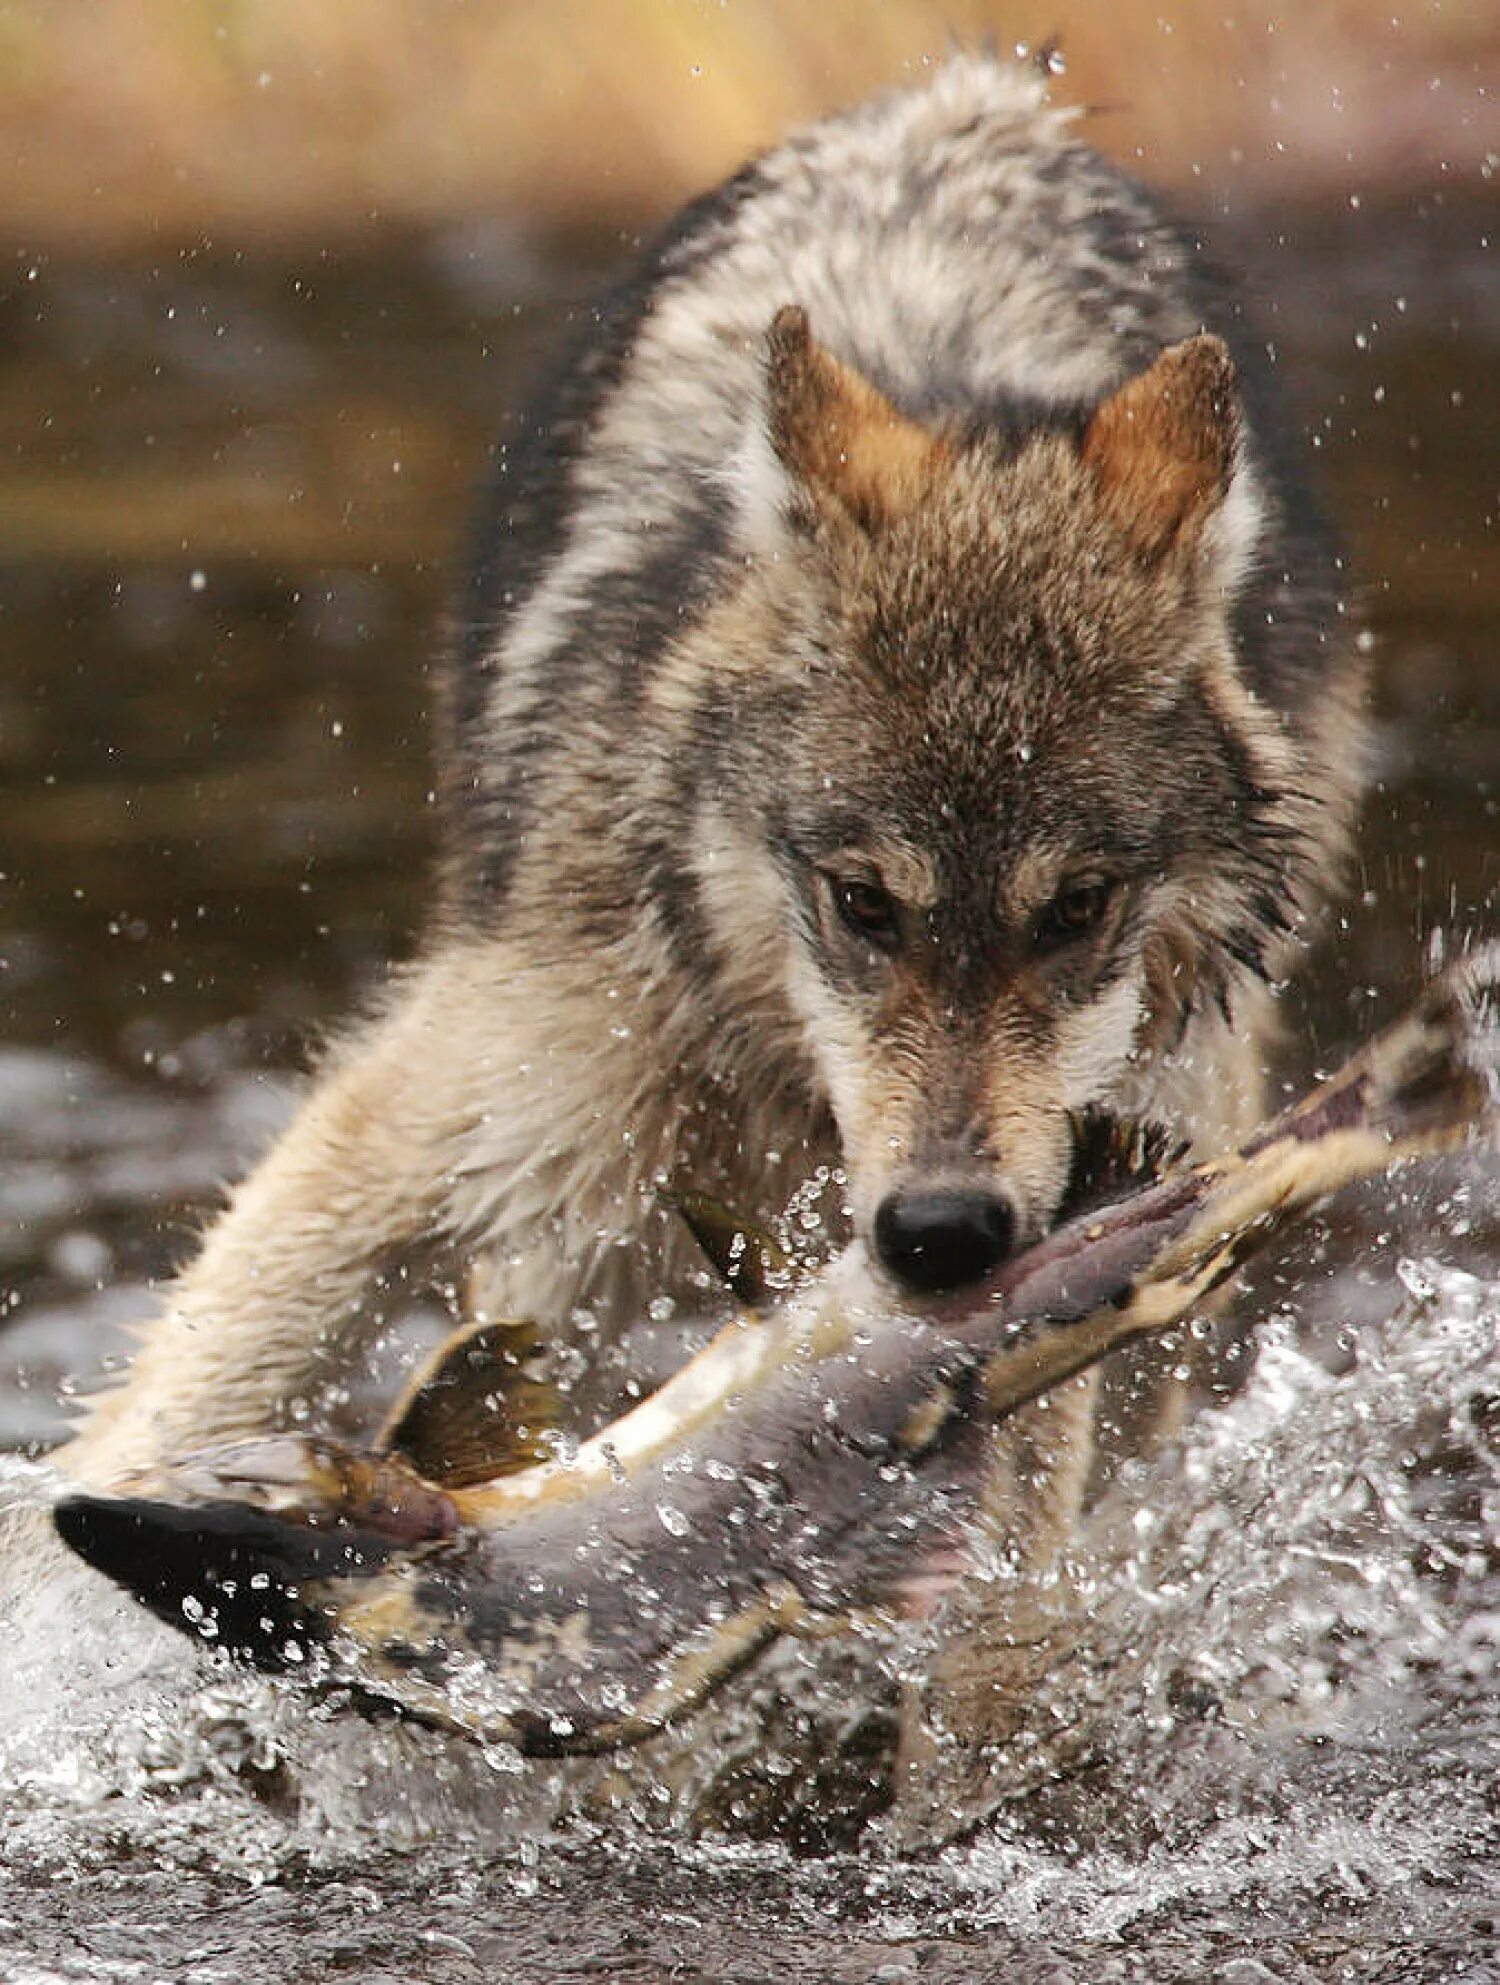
x: 867, y: 910
x: 1073, y: 913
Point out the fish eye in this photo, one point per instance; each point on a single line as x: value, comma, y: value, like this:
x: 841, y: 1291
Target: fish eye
x: 1073, y: 913
x: 866, y: 909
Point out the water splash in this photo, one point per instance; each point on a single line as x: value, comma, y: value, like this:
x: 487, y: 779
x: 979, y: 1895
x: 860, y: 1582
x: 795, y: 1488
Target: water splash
x: 1282, y: 1688
x: 1273, y: 1723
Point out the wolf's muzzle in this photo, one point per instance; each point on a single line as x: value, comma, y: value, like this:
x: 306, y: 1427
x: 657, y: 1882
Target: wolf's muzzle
x: 944, y: 1239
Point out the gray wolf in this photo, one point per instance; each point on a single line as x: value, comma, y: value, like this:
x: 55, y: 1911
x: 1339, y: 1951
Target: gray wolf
x: 901, y: 701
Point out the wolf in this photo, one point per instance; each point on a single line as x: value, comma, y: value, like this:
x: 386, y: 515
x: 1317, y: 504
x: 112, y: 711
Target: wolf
x: 901, y: 699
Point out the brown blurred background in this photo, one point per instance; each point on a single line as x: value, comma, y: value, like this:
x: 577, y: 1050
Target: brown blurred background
x: 136, y: 121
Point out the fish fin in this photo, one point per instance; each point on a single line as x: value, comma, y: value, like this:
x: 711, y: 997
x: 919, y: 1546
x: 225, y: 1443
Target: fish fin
x: 1113, y: 1156
x: 749, y: 1261
x: 474, y: 1412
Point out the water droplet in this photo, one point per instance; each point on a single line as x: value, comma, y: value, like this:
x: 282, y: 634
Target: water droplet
x: 1417, y: 1279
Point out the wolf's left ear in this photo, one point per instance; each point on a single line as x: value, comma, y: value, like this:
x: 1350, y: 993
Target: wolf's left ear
x: 838, y: 435
x: 1163, y: 447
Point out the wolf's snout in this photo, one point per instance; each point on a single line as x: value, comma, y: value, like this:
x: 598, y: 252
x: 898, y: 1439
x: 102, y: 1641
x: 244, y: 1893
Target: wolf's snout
x: 943, y: 1239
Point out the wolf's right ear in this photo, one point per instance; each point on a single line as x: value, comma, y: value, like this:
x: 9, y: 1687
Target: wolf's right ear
x: 838, y: 436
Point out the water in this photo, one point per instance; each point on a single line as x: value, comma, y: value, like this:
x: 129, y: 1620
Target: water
x: 231, y: 489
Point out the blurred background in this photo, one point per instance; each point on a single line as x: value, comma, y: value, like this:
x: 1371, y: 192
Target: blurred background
x: 159, y: 121
x: 272, y: 272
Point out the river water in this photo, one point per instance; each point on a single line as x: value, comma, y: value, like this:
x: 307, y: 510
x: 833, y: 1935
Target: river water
x: 230, y: 488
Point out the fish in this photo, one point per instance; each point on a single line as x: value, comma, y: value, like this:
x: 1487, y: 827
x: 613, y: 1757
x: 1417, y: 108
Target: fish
x: 818, y: 1465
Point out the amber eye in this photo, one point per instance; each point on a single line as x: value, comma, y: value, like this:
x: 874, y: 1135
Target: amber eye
x: 1073, y: 913
x: 867, y: 910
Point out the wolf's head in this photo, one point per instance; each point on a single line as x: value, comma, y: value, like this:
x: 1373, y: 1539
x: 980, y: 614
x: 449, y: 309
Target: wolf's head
x: 994, y: 802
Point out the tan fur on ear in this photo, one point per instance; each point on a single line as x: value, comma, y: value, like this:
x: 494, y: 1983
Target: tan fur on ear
x: 839, y: 435
x: 1162, y: 447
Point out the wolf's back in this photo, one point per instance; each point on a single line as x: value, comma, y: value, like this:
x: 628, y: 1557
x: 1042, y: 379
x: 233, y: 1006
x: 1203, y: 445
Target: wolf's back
x: 969, y: 256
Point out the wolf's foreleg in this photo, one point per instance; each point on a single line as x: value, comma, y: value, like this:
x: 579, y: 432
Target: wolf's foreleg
x: 282, y: 1289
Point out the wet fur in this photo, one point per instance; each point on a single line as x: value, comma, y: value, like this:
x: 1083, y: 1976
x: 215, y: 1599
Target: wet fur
x: 920, y: 584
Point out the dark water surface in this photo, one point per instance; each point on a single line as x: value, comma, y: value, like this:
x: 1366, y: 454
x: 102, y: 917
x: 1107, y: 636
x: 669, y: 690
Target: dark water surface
x: 230, y: 492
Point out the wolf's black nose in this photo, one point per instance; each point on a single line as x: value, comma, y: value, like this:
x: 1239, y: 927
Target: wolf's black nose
x: 942, y: 1240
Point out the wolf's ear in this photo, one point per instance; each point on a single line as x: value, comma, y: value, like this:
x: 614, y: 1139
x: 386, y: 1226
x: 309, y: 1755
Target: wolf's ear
x: 839, y: 436
x: 1162, y: 447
